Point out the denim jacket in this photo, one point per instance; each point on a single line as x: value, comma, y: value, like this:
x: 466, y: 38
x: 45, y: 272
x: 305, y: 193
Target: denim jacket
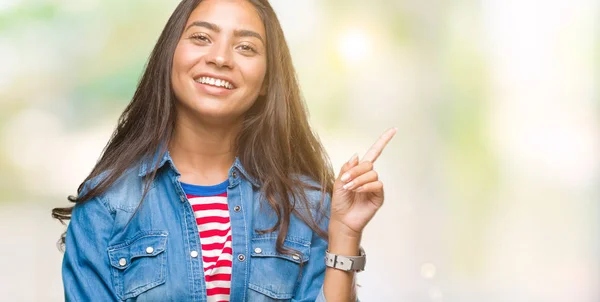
x: 112, y: 254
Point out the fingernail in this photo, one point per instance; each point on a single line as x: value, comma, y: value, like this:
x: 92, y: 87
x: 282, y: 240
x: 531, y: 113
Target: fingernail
x: 348, y: 185
x: 351, y: 160
x: 345, y: 177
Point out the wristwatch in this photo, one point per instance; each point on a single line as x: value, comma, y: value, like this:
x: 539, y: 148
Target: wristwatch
x: 347, y: 263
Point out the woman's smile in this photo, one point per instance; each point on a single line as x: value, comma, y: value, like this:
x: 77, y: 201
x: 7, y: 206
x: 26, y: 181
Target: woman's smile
x: 214, y: 85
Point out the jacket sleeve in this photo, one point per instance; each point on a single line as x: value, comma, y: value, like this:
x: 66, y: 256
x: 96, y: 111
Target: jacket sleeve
x: 86, y: 268
x: 310, y: 287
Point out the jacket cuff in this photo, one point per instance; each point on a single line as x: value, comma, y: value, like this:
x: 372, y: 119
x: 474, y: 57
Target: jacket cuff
x: 321, y: 296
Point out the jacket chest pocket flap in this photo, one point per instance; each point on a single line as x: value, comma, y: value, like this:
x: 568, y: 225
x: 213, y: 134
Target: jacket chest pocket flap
x: 138, y: 264
x: 276, y: 274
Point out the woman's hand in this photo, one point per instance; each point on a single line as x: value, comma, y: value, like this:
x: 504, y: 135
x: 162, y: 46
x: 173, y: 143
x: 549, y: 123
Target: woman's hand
x: 357, y: 192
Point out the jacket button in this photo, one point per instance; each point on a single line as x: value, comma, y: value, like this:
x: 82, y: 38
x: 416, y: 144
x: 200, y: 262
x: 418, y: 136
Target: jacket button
x: 296, y: 257
x: 257, y: 250
x: 149, y: 250
x: 241, y: 257
x: 237, y: 208
x: 234, y: 174
x: 194, y: 254
x: 122, y: 262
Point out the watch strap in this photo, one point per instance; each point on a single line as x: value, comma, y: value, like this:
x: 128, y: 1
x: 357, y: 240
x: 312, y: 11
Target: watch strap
x: 346, y: 263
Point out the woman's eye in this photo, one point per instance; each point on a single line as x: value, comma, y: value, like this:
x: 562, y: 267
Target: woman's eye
x: 245, y: 47
x: 202, y: 38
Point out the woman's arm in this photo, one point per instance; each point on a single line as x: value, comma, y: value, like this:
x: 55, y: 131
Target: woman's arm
x: 357, y: 195
x: 314, y: 272
x: 86, y: 269
x: 339, y: 285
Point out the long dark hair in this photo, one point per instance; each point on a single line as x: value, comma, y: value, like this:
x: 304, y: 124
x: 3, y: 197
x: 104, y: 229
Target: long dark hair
x: 275, y: 144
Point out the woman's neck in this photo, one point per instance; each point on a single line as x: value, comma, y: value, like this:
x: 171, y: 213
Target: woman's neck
x: 203, y: 154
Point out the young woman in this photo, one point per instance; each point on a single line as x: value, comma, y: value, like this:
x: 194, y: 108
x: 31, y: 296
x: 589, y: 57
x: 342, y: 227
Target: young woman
x: 213, y: 187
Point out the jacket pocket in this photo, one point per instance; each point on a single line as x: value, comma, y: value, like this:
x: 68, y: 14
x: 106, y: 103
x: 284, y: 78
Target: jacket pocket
x: 274, y: 275
x: 138, y: 264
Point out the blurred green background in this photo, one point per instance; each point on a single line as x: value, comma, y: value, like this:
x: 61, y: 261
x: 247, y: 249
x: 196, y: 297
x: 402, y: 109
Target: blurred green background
x: 491, y: 182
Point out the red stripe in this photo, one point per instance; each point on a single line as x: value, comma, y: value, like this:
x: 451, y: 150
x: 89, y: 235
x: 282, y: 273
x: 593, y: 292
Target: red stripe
x: 210, y: 233
x: 216, y: 245
x: 210, y: 206
x: 220, y: 263
x: 217, y: 291
x: 226, y: 250
x: 218, y: 277
x: 210, y: 259
x: 211, y: 219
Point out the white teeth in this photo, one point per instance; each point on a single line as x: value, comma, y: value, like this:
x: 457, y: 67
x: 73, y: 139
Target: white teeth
x: 214, y: 82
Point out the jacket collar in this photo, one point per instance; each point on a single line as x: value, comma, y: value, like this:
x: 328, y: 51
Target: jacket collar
x: 148, y: 165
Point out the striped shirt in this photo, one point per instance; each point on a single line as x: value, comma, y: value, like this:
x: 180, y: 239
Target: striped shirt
x: 212, y: 217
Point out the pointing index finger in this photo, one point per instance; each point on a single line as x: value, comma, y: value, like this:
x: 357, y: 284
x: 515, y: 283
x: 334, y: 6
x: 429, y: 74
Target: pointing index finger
x: 377, y: 148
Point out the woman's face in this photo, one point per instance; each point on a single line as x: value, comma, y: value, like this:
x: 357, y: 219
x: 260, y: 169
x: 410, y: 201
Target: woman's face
x: 220, y: 61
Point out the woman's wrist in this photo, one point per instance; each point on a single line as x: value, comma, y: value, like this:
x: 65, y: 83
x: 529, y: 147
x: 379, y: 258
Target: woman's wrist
x: 343, y: 241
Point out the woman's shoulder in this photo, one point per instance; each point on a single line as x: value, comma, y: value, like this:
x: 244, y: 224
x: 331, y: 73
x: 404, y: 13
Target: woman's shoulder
x: 118, y: 194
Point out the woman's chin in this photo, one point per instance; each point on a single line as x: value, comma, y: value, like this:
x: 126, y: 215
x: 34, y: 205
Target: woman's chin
x: 220, y: 115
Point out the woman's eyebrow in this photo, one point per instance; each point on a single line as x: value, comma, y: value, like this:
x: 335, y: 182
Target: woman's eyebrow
x: 247, y: 33
x: 208, y: 25
x: 236, y: 33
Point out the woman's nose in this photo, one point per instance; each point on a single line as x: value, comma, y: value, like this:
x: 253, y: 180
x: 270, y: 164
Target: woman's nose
x: 220, y: 55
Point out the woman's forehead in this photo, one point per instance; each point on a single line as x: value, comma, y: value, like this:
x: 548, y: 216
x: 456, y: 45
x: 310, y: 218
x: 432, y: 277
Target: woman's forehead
x: 228, y: 15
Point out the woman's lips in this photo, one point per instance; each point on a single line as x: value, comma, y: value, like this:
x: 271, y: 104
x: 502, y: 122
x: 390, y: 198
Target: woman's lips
x: 214, y: 90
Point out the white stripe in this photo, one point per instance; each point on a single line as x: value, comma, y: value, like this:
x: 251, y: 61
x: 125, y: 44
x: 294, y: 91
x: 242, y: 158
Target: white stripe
x: 224, y: 257
x: 206, y: 213
x: 216, y: 252
x: 207, y: 264
x: 218, y: 298
x: 219, y: 270
x: 213, y: 226
x: 208, y: 199
x: 215, y: 239
x: 201, y: 228
x: 218, y: 283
